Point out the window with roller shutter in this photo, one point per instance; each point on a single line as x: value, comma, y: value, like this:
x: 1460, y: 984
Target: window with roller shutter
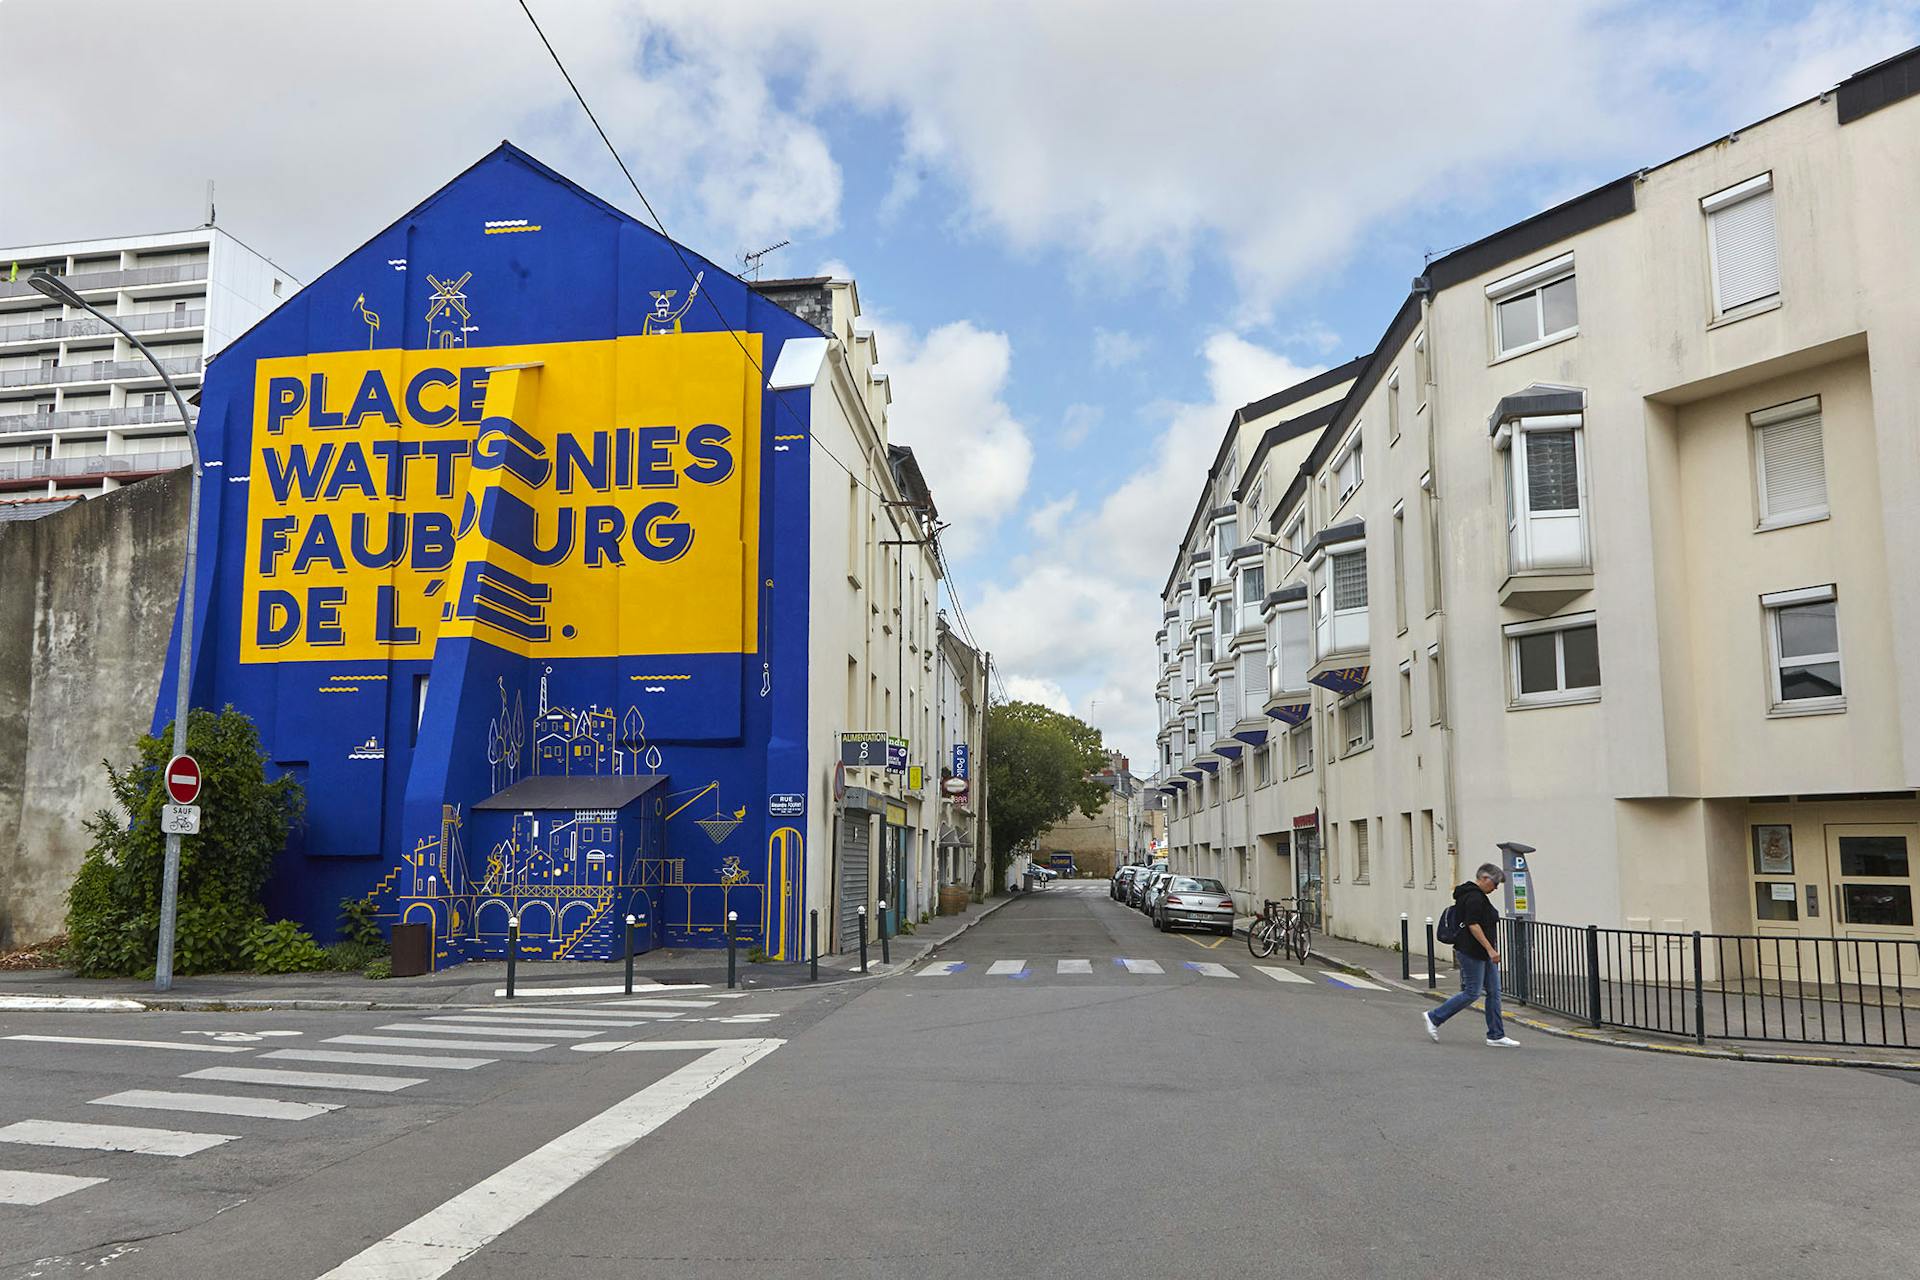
x: 1742, y: 245
x: 1790, y: 468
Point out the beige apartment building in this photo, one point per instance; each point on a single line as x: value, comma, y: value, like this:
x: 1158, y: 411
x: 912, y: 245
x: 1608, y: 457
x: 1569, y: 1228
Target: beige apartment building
x: 1611, y: 547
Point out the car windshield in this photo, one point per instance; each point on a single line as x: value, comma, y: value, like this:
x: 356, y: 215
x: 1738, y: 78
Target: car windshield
x: 1185, y: 885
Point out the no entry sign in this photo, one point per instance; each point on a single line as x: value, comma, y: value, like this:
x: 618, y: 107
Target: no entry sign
x: 183, y: 779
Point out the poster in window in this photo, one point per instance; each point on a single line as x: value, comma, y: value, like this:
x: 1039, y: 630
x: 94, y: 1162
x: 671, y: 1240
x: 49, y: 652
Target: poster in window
x: 1773, y: 850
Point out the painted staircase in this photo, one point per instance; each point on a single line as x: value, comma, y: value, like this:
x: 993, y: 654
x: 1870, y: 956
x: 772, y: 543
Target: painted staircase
x: 598, y: 936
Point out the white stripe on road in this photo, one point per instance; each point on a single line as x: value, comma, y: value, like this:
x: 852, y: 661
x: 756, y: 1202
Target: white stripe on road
x: 661, y: 1004
x: 524, y: 1033
x: 1000, y: 968
x: 489, y: 1021
x: 111, y: 1137
x: 1140, y: 966
x: 1348, y: 980
x: 217, y: 1104
x: 349, y: 1058
x: 417, y: 1042
x: 20, y: 1187
x: 1075, y: 966
x: 44, y: 1003
x: 440, y: 1239
x: 943, y: 968
x: 1209, y: 969
x: 602, y: 991
x: 1278, y: 974
x: 305, y: 1079
x: 136, y: 1044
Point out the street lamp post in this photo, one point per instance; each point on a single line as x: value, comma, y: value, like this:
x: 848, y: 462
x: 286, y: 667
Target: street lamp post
x: 57, y: 289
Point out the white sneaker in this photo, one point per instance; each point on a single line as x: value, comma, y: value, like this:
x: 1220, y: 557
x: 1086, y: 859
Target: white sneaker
x: 1504, y: 1042
x: 1433, y: 1032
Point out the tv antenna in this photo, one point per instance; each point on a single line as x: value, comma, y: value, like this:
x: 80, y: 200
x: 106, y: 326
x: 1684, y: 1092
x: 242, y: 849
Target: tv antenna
x: 751, y: 261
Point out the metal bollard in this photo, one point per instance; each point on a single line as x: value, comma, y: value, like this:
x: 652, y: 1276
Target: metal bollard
x: 630, y: 923
x: 863, y: 939
x: 1699, y: 994
x: 513, y: 950
x: 1432, y: 981
x: 733, y: 918
x: 813, y: 942
x: 886, y: 952
x: 1406, y: 950
x: 1593, y: 975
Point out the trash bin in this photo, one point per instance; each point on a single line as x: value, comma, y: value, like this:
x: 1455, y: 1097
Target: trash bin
x: 1026, y: 881
x: 412, y: 950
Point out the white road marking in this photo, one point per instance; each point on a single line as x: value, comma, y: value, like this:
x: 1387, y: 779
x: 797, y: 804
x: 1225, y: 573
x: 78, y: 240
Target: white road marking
x: 1006, y: 967
x: 943, y: 968
x: 136, y: 1044
x: 1141, y: 966
x: 111, y: 1137
x: 417, y: 1042
x: 524, y: 1033
x: 1075, y: 966
x: 1278, y: 974
x: 488, y: 1021
x: 1348, y: 980
x: 661, y: 1004
x: 19, y: 1187
x: 1209, y: 969
x: 347, y: 1057
x: 305, y: 1079
x: 553, y: 1013
x: 44, y: 1003
x: 440, y: 1239
x: 602, y: 991
x: 217, y: 1104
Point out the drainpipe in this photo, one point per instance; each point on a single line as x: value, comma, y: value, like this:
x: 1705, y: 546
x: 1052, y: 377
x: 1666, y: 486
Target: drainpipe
x: 1449, y: 772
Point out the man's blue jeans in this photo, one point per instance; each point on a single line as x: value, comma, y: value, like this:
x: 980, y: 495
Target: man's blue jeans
x: 1475, y: 973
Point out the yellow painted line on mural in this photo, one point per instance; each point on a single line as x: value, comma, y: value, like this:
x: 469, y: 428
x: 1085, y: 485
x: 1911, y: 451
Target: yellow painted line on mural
x: 659, y: 677
x: 801, y: 436
x: 340, y: 688
x: 501, y: 231
x: 342, y: 678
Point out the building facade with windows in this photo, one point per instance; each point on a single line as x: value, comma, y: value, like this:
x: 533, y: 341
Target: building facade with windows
x: 80, y: 411
x: 1609, y: 547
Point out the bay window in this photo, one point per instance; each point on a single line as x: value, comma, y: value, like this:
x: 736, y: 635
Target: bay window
x: 1340, y: 602
x: 1253, y: 592
x: 1546, y: 493
x: 1209, y: 726
x: 1253, y: 684
x: 1289, y: 650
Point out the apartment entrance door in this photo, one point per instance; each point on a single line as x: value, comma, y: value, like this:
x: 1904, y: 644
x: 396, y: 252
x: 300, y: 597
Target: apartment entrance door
x: 1871, y: 872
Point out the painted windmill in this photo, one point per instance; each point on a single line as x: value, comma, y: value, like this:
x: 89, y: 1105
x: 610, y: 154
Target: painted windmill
x: 447, y: 317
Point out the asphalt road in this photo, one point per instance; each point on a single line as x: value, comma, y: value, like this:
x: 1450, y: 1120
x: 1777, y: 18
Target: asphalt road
x: 1062, y: 1092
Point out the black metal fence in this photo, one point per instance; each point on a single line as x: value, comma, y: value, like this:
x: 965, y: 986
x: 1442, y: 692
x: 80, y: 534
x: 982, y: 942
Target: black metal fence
x: 1842, y: 991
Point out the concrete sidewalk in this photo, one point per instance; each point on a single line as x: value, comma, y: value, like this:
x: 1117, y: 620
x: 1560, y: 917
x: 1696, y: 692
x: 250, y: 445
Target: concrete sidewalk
x: 478, y: 982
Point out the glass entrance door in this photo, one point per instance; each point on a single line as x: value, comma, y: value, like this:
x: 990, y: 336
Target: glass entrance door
x: 1871, y: 871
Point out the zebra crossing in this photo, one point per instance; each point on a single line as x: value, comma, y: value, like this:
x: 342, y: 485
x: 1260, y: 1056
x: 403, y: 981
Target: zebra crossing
x: 1022, y: 969
x: 282, y: 1088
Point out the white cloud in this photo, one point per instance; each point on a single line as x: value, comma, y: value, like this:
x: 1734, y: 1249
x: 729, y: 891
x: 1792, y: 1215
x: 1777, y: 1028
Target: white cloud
x: 948, y: 406
x: 320, y: 124
x: 1077, y: 422
x: 1045, y: 692
x: 1116, y: 348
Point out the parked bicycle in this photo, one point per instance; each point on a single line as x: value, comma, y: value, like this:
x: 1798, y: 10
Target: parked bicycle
x: 1282, y: 924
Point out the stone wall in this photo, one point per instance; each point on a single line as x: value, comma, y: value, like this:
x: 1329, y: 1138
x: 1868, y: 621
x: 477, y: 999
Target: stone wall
x: 86, y: 607
x: 1092, y: 841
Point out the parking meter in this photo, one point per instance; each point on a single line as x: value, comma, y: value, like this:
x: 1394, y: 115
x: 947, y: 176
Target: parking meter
x: 1520, y: 905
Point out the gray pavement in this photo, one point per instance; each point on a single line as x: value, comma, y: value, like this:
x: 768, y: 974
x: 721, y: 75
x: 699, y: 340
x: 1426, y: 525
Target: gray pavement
x: 997, y: 1109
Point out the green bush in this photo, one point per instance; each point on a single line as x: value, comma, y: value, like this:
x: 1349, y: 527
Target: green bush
x: 113, y: 907
x: 352, y: 957
x: 283, y: 947
x: 381, y: 968
x: 359, y: 922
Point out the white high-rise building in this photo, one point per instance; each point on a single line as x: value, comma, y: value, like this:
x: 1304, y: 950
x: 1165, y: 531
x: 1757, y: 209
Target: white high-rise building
x: 80, y: 411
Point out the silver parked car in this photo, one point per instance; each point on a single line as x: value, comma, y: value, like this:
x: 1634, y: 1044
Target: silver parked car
x: 1150, y: 896
x: 1185, y: 902
x: 1142, y: 880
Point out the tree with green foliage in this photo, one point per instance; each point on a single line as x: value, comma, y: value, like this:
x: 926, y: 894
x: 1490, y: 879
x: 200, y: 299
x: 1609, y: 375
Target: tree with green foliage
x: 1039, y: 770
x: 113, y: 908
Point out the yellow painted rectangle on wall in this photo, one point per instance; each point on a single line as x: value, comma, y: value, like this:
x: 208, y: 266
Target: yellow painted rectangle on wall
x: 584, y: 499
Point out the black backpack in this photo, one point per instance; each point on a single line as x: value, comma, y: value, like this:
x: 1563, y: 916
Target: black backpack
x: 1449, y: 929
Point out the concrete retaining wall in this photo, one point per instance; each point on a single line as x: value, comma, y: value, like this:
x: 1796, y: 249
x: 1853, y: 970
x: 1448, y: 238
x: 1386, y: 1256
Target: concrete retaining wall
x: 86, y: 607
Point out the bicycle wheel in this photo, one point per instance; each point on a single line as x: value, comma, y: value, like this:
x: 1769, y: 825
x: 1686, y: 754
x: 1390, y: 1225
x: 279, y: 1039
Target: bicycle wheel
x: 1301, y: 940
x: 1261, y: 938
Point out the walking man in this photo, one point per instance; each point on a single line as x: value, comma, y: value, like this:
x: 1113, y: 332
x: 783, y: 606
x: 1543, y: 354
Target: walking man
x: 1477, y: 955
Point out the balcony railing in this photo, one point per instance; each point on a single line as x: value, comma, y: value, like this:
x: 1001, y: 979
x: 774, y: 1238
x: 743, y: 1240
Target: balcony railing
x: 99, y: 464
x: 128, y: 278
x: 83, y: 419
x: 88, y: 327
x: 97, y: 371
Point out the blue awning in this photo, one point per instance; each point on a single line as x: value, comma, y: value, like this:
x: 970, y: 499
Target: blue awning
x: 1341, y: 679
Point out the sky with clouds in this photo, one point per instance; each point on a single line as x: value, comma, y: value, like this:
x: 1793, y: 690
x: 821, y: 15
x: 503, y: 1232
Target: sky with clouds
x: 1085, y: 232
